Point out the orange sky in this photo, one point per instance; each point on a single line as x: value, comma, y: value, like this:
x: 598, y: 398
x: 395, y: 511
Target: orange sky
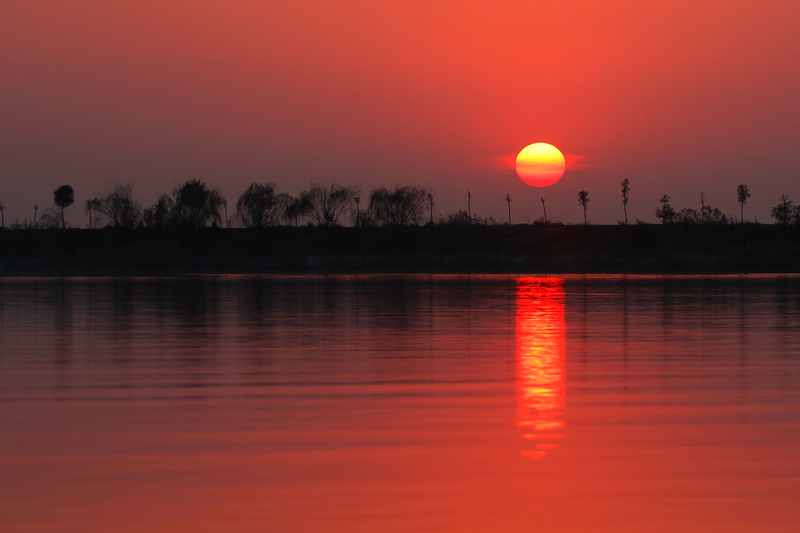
x: 679, y: 98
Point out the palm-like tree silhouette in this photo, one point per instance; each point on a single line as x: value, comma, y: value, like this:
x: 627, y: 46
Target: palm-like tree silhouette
x: 583, y: 199
x: 64, y: 197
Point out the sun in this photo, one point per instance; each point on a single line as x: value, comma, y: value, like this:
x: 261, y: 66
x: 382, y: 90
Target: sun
x: 540, y: 164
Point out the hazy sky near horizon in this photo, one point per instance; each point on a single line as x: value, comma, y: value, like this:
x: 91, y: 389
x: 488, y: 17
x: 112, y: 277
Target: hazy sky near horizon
x: 680, y: 97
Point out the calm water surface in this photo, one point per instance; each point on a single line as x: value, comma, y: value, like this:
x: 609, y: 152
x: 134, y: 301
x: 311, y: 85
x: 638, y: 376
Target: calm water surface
x: 400, y: 403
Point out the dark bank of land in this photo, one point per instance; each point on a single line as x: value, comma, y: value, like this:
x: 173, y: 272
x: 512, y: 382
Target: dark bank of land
x: 641, y: 248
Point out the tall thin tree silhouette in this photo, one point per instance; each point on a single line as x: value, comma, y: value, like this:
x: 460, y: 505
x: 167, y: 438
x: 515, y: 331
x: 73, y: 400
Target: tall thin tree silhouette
x: 702, y: 207
x: 583, y: 199
x: 743, y: 194
x: 544, y: 208
x: 625, y: 191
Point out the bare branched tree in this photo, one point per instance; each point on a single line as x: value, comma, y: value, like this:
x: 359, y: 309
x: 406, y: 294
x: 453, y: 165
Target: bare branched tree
x: 120, y: 207
x: 326, y: 205
x: 50, y: 219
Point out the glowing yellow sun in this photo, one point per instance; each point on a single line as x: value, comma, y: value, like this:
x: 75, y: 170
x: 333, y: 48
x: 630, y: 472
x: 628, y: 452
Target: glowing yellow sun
x: 540, y: 164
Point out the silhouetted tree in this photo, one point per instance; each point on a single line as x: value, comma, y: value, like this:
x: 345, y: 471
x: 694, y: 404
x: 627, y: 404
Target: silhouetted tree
x: 688, y: 216
x: 712, y: 215
x: 399, y: 206
x: 702, y: 207
x: 35, y: 210
x: 430, y: 201
x: 327, y: 205
x: 64, y: 197
x: 357, y: 200
x: 120, y: 208
x: 544, y: 208
x: 159, y: 215
x: 583, y: 199
x: 91, y: 209
x: 625, y: 191
x: 295, y: 208
x: 196, y: 205
x: 708, y: 215
x: 743, y: 194
x: 783, y: 211
x: 666, y: 213
x: 508, y: 199
x: 50, y: 219
x: 2, y: 215
x: 88, y: 210
x: 259, y: 205
x: 469, y: 204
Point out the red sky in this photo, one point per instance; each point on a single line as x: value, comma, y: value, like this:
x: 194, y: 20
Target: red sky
x: 679, y: 97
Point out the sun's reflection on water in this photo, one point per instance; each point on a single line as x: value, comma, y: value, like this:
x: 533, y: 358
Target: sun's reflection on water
x: 541, y: 372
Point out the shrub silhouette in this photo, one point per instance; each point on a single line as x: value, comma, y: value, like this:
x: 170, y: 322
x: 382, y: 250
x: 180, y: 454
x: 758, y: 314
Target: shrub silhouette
x: 784, y: 211
x: 666, y: 213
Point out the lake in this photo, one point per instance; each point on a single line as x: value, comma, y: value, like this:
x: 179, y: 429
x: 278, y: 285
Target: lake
x: 400, y: 403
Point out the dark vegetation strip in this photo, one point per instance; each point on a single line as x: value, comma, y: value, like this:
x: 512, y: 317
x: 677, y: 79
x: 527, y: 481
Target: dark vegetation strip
x: 537, y: 248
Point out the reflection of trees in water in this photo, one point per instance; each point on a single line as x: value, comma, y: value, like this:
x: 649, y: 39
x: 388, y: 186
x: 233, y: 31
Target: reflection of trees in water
x: 298, y: 329
x: 373, y: 327
x: 63, y: 324
x: 121, y: 315
x: 541, y: 363
x: 196, y: 331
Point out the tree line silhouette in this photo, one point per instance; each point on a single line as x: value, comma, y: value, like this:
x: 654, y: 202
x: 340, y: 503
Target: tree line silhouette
x: 194, y: 204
